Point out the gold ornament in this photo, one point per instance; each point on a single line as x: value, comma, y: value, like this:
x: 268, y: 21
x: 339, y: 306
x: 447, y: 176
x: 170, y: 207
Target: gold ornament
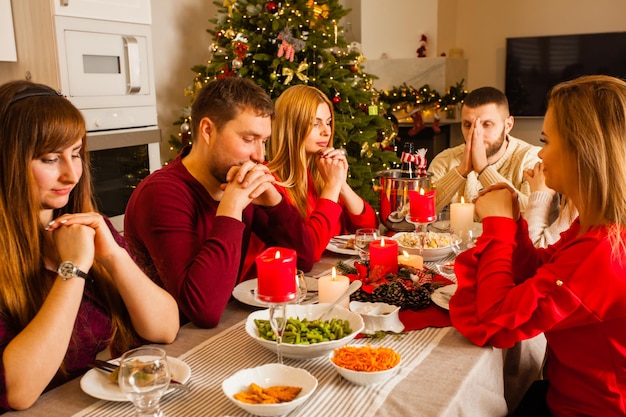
x: 364, y: 148
x: 230, y: 4
x: 289, y: 73
x: 230, y: 33
x: 319, y: 12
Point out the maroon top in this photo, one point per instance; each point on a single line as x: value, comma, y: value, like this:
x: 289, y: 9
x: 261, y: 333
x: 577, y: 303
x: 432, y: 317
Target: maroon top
x: 92, y: 333
x: 171, y: 226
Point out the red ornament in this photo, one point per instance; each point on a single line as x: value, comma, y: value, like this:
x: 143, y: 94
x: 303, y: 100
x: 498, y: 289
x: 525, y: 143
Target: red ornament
x: 271, y: 6
x: 336, y: 99
x: 354, y: 68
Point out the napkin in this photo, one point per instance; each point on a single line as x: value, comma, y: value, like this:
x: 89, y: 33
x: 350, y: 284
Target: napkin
x: 431, y: 316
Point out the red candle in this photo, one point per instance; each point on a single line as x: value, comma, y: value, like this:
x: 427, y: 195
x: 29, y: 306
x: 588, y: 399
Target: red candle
x: 384, y: 256
x: 422, y: 206
x: 276, y: 268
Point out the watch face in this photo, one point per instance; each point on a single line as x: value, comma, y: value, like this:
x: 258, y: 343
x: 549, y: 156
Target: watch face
x: 67, y: 270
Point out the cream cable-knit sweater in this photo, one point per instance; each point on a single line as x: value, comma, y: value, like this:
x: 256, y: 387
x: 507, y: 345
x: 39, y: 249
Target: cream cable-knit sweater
x: 546, y: 221
x: 519, y: 156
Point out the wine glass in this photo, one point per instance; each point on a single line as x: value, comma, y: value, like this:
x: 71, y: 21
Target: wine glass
x: 462, y: 240
x: 362, y: 240
x: 278, y: 320
x: 301, y: 287
x: 144, y: 377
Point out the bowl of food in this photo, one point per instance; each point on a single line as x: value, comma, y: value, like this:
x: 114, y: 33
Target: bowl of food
x: 435, y: 245
x: 365, y: 364
x: 306, y: 336
x: 269, y: 390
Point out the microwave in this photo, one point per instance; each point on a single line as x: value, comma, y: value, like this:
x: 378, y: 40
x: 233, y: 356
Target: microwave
x: 106, y: 71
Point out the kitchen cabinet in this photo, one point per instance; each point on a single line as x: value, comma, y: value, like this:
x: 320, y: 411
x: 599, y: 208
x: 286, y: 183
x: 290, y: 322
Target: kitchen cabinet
x: 7, y: 37
x: 133, y: 11
x: 36, y: 41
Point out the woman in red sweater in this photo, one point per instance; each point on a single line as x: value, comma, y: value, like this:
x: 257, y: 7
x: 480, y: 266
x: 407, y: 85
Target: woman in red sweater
x: 572, y: 291
x: 312, y: 171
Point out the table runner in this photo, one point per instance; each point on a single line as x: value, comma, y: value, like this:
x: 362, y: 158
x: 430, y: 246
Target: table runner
x: 231, y: 350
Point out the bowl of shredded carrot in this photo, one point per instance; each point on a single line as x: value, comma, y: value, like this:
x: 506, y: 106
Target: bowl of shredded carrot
x: 365, y: 364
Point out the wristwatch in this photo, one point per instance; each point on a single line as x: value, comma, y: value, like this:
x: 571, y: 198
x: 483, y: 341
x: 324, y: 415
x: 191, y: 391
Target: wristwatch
x: 68, y: 270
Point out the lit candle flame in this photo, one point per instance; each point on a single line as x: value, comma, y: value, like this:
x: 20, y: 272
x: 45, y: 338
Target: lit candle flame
x: 277, y: 256
x: 382, y: 242
x: 421, y: 191
x: 462, y: 200
x: 333, y: 274
x: 405, y: 253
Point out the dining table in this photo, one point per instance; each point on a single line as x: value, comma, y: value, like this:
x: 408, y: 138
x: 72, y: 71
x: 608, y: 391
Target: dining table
x: 441, y: 374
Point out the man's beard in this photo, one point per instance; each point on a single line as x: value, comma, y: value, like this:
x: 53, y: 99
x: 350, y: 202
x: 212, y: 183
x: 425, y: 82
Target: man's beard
x: 494, y: 148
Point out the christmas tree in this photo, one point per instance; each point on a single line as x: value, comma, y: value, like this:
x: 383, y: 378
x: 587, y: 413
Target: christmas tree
x: 281, y: 43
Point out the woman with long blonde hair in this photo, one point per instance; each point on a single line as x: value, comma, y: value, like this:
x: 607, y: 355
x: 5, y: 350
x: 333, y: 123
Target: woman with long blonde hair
x: 68, y: 286
x: 313, y: 173
x: 572, y: 291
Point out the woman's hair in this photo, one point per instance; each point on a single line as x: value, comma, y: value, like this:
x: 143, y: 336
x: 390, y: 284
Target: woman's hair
x: 223, y: 99
x: 296, y: 109
x: 590, y: 115
x: 36, y: 120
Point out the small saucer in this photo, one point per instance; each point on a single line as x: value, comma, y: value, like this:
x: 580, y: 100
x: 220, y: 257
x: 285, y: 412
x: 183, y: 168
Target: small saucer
x: 378, y: 316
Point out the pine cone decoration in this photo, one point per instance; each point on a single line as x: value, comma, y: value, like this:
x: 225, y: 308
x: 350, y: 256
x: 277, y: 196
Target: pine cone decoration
x: 410, y: 289
x: 418, y: 298
x: 392, y: 293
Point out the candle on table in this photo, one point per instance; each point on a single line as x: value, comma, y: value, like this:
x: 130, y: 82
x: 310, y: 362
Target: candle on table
x: 422, y: 206
x: 461, y: 217
x: 276, y: 269
x: 410, y: 259
x: 330, y: 287
x: 384, y: 256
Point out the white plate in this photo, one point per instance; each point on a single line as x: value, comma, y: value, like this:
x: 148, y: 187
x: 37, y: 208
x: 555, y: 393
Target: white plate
x: 97, y: 384
x: 441, y: 296
x: 244, y: 291
x: 338, y: 249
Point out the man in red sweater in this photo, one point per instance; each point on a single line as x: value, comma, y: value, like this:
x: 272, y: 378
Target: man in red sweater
x: 193, y: 224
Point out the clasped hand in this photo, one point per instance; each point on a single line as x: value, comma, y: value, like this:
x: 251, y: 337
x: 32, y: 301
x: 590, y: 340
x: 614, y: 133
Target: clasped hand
x: 250, y: 183
x: 497, y: 200
x: 333, y: 165
x: 475, y: 153
x: 83, y: 237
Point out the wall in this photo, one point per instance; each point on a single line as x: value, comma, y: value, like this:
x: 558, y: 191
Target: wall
x: 180, y: 41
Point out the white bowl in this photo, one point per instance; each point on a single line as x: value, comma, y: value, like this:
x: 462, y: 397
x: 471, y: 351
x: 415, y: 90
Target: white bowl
x: 362, y: 377
x: 429, y: 254
x: 378, y: 316
x: 267, y: 376
x: 310, y: 312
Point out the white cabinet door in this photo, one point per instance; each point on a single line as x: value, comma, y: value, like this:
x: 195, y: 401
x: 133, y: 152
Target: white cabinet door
x: 134, y: 11
x: 7, y: 36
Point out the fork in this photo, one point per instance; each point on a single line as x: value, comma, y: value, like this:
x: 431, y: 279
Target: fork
x: 109, y: 367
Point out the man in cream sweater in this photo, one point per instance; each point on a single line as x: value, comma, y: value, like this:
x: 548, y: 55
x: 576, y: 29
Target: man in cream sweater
x: 489, y: 154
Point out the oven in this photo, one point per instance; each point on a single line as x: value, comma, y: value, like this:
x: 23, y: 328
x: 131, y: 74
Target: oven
x: 119, y: 161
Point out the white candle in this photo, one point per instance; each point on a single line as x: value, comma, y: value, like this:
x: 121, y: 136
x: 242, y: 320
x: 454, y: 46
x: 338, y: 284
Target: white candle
x: 461, y: 216
x: 412, y: 260
x: 330, y: 287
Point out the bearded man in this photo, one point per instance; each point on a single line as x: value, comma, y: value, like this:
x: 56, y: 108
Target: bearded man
x: 489, y: 154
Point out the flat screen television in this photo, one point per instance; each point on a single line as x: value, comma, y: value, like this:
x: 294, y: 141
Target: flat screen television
x: 535, y: 64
